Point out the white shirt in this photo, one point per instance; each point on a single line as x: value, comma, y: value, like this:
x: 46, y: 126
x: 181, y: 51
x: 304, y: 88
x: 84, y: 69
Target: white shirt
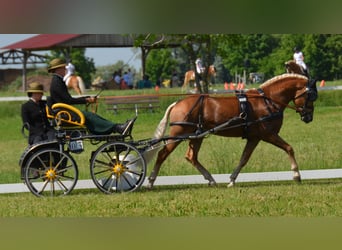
x: 199, y: 66
x: 299, y: 59
x: 70, y: 71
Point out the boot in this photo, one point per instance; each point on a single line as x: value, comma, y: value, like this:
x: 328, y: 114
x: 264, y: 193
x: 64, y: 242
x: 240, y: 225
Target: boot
x: 121, y: 128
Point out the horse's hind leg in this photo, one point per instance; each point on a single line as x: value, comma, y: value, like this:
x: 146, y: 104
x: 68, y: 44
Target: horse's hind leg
x: 192, y: 156
x: 279, y: 142
x: 247, y: 152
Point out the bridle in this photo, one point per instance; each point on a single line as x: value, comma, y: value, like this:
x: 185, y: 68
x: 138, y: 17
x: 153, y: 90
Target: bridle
x: 311, y: 95
x: 308, y: 89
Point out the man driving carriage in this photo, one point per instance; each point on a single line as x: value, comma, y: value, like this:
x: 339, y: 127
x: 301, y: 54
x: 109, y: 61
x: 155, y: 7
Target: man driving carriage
x: 59, y: 94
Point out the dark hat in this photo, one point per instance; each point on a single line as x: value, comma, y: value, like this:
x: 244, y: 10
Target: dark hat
x: 35, y: 87
x: 56, y: 63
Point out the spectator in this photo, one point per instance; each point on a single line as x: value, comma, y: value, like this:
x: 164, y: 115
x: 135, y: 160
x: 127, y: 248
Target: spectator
x: 117, y: 77
x: 174, y: 80
x: 145, y: 83
x: 128, y: 78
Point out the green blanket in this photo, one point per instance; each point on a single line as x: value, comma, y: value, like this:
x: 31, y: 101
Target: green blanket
x: 98, y: 125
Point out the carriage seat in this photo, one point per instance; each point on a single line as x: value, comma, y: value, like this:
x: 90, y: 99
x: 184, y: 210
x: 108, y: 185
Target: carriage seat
x: 65, y: 115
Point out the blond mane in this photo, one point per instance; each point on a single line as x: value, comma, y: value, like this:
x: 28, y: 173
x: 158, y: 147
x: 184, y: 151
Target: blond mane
x: 279, y: 77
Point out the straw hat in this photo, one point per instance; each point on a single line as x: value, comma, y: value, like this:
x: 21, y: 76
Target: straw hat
x: 35, y: 87
x: 56, y: 63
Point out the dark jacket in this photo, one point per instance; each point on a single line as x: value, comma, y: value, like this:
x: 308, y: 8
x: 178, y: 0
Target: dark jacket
x: 59, y: 93
x: 34, y: 115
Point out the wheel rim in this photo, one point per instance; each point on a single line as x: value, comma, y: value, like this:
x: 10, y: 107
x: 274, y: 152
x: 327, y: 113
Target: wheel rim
x: 50, y: 172
x: 117, y: 167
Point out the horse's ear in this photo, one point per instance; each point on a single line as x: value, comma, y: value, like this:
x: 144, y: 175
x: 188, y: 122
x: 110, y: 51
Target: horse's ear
x: 312, y: 83
x: 312, y: 90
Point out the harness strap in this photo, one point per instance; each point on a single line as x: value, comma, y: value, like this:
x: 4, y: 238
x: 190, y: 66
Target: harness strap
x: 268, y: 101
x: 243, y: 116
x: 184, y: 123
x: 199, y: 125
x: 243, y: 103
x: 242, y: 98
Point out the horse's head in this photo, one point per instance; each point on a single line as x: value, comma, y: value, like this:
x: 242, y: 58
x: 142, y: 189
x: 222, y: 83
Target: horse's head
x: 305, y: 99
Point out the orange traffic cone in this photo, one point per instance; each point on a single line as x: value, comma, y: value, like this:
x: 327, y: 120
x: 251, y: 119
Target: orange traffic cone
x: 322, y: 83
x: 232, y: 86
x: 242, y: 85
x: 225, y: 86
x: 238, y: 86
x: 156, y: 88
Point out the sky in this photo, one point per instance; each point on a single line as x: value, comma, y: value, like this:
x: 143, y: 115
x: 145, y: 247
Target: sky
x: 101, y: 56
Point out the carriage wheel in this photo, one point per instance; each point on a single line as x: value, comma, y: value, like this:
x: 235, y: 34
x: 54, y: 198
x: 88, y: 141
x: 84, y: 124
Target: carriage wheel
x: 117, y: 167
x: 50, y: 172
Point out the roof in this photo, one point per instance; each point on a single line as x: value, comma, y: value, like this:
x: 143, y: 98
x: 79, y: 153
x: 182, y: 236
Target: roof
x: 52, y: 41
x: 41, y: 42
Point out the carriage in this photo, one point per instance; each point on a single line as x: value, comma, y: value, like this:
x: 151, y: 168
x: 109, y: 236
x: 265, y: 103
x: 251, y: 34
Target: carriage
x: 48, y: 168
x: 119, y: 163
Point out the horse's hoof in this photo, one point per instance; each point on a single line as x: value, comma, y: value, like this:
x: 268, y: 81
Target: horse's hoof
x: 297, y: 178
x: 212, y: 183
x: 149, y: 185
x: 231, y: 184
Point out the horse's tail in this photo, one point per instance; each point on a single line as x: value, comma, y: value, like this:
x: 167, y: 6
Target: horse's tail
x: 160, y: 130
x: 81, y: 84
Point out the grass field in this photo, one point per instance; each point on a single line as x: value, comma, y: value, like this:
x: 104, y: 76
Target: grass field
x: 317, y: 146
x: 309, y: 199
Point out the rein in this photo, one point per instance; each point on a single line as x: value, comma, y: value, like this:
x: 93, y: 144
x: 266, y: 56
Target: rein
x: 297, y: 109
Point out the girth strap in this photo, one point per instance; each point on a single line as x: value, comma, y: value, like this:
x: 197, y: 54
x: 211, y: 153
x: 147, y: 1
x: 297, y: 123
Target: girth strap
x: 243, y: 104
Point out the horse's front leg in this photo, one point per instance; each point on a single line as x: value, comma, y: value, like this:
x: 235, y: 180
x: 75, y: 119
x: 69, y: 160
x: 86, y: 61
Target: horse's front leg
x: 279, y: 142
x: 247, y: 152
x: 192, y: 156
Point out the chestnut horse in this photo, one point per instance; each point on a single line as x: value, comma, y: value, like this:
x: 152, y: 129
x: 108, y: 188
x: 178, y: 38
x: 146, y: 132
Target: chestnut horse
x: 76, y: 83
x: 189, y: 76
x: 256, y: 115
x: 292, y: 67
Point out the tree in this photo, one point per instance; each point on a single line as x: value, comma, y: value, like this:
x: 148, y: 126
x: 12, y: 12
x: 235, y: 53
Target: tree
x: 161, y: 63
x: 252, y: 48
x: 333, y: 47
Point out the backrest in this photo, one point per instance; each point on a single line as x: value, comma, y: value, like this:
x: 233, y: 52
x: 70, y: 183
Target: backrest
x: 65, y: 115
